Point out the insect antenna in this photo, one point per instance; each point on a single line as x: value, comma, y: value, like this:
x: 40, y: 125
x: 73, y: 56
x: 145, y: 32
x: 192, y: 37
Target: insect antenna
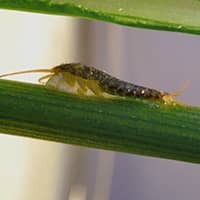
x: 26, y: 71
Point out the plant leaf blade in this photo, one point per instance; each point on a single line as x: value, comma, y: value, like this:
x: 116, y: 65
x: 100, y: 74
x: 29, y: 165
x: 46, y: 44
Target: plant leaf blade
x: 125, y: 125
x: 180, y: 15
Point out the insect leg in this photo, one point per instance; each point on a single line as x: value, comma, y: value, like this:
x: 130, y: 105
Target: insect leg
x: 44, y: 77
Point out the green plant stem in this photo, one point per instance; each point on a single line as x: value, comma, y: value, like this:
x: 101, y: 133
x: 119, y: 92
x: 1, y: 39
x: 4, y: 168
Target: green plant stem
x: 127, y: 125
x: 179, y: 15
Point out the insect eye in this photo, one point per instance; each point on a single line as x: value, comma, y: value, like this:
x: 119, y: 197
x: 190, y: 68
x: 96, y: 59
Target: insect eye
x: 77, y: 66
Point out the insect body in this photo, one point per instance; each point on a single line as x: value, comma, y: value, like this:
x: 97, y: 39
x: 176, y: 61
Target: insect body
x: 104, y: 82
x: 88, y: 81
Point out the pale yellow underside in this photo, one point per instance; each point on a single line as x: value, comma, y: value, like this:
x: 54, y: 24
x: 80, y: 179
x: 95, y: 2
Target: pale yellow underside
x: 70, y: 83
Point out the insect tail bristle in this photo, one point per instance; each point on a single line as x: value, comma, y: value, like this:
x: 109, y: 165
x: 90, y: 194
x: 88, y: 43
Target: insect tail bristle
x: 180, y: 90
x: 170, y: 98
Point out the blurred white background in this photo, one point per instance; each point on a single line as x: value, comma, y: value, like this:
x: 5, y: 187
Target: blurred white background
x: 35, y: 169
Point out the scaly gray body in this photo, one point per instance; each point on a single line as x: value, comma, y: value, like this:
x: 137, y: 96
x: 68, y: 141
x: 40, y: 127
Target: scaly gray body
x: 108, y: 83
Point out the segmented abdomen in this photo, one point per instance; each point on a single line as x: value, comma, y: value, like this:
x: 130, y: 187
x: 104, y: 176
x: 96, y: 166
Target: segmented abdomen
x: 110, y: 84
